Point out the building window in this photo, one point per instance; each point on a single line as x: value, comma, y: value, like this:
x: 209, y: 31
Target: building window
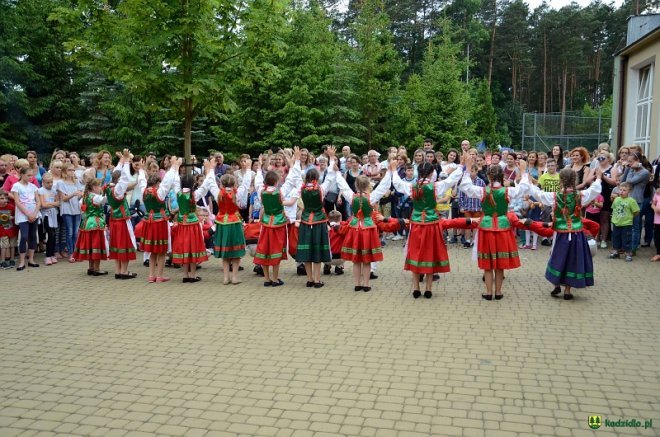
x: 644, y: 106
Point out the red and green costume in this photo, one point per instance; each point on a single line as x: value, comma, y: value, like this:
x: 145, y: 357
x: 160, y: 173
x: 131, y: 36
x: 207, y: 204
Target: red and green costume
x: 271, y: 248
x: 122, y: 240
x: 187, y: 236
x: 362, y: 244
x: 155, y: 231
x: 496, y: 242
x: 313, y: 241
x: 229, y: 240
x: 91, y: 242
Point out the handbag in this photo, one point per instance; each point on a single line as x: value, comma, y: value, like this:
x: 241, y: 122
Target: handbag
x: 331, y: 197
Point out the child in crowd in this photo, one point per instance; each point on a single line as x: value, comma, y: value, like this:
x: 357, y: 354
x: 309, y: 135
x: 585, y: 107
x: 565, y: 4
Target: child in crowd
x: 8, y: 231
x: 570, y: 262
x: 337, y: 233
x: 655, y: 204
x: 49, y: 212
x: 208, y: 228
x: 624, y: 209
x: 229, y: 237
x: 549, y: 182
x: 70, y: 191
x: 91, y: 244
x: 470, y: 208
x: 271, y: 248
x: 534, y: 214
x: 28, y: 206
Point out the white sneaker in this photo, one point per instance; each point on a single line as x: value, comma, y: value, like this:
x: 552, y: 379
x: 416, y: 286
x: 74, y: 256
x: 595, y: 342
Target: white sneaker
x: 603, y: 244
x: 388, y: 237
x: 397, y: 238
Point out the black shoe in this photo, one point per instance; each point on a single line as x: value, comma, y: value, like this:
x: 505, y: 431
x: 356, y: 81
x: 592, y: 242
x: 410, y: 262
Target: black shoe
x: 278, y: 283
x: 185, y: 280
x: 32, y: 264
x: 301, y: 270
x: 568, y: 296
x: 556, y: 292
x: 90, y: 272
x: 499, y: 296
x: 358, y: 288
x: 436, y: 277
x: 18, y: 269
x: 428, y: 294
x: 258, y: 270
x: 327, y: 270
x: 365, y: 289
x: 483, y: 278
x: 310, y: 284
x: 268, y: 283
x: 175, y: 266
x: 646, y: 245
x: 466, y: 245
x: 168, y: 263
x: 119, y: 276
x: 546, y: 243
x: 318, y: 284
x: 487, y: 296
x: 146, y: 263
x: 99, y: 273
x: 339, y: 270
x: 195, y: 279
x: 416, y: 293
x: 372, y: 276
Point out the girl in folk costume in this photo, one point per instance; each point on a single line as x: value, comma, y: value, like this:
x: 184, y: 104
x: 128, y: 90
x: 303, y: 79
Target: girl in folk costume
x: 426, y: 250
x: 496, y: 246
x: 91, y: 243
x: 188, y: 247
x: 156, y: 228
x: 271, y: 248
x: 362, y: 243
x: 122, y: 238
x: 313, y: 243
x: 570, y: 261
x: 229, y: 241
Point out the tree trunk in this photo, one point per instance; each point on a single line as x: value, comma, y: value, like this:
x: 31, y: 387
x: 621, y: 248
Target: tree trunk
x: 545, y: 72
x: 563, y: 99
x: 188, y: 101
x: 491, y: 55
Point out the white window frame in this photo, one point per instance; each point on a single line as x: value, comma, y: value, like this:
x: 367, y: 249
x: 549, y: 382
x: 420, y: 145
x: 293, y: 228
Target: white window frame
x: 644, y: 107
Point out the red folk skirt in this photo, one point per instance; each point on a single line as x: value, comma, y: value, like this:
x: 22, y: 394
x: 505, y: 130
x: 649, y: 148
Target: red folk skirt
x: 121, y: 243
x: 91, y: 246
x: 497, y: 250
x: 362, y: 245
x: 427, y: 252
x: 155, y: 236
x: 271, y: 248
x: 292, y: 233
x: 188, y: 244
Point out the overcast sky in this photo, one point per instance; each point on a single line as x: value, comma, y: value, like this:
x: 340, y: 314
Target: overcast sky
x: 557, y: 4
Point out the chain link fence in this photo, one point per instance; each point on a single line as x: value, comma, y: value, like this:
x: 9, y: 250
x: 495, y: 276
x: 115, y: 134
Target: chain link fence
x: 542, y: 131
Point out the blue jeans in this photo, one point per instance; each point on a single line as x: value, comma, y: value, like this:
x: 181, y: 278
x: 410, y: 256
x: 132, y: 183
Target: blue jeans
x: 637, y: 228
x: 622, y: 238
x: 647, y: 213
x: 71, y: 223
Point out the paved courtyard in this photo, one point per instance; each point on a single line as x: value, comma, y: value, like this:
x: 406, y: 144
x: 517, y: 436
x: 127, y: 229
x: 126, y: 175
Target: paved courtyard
x: 87, y: 356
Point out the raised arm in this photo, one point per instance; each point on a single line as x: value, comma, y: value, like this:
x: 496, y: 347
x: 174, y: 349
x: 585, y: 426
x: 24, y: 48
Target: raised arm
x: 400, y: 185
x: 593, y: 191
x: 545, y: 197
x: 344, y: 189
x: 119, y: 190
x: 170, y: 178
x: 454, y: 177
x: 242, y: 191
x: 293, y: 179
x: 521, y: 189
x: 382, y: 188
x: 208, y: 182
x: 469, y: 189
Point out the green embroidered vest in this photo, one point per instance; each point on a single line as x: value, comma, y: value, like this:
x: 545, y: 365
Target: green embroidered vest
x: 187, y: 208
x: 424, y: 204
x: 94, y: 217
x: 495, y: 205
x: 313, y: 211
x: 154, y: 206
x: 273, y: 215
x: 567, y: 212
x: 119, y: 208
x: 362, y: 210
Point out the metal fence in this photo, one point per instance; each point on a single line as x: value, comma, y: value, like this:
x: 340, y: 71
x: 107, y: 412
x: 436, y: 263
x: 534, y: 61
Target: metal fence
x: 542, y: 131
